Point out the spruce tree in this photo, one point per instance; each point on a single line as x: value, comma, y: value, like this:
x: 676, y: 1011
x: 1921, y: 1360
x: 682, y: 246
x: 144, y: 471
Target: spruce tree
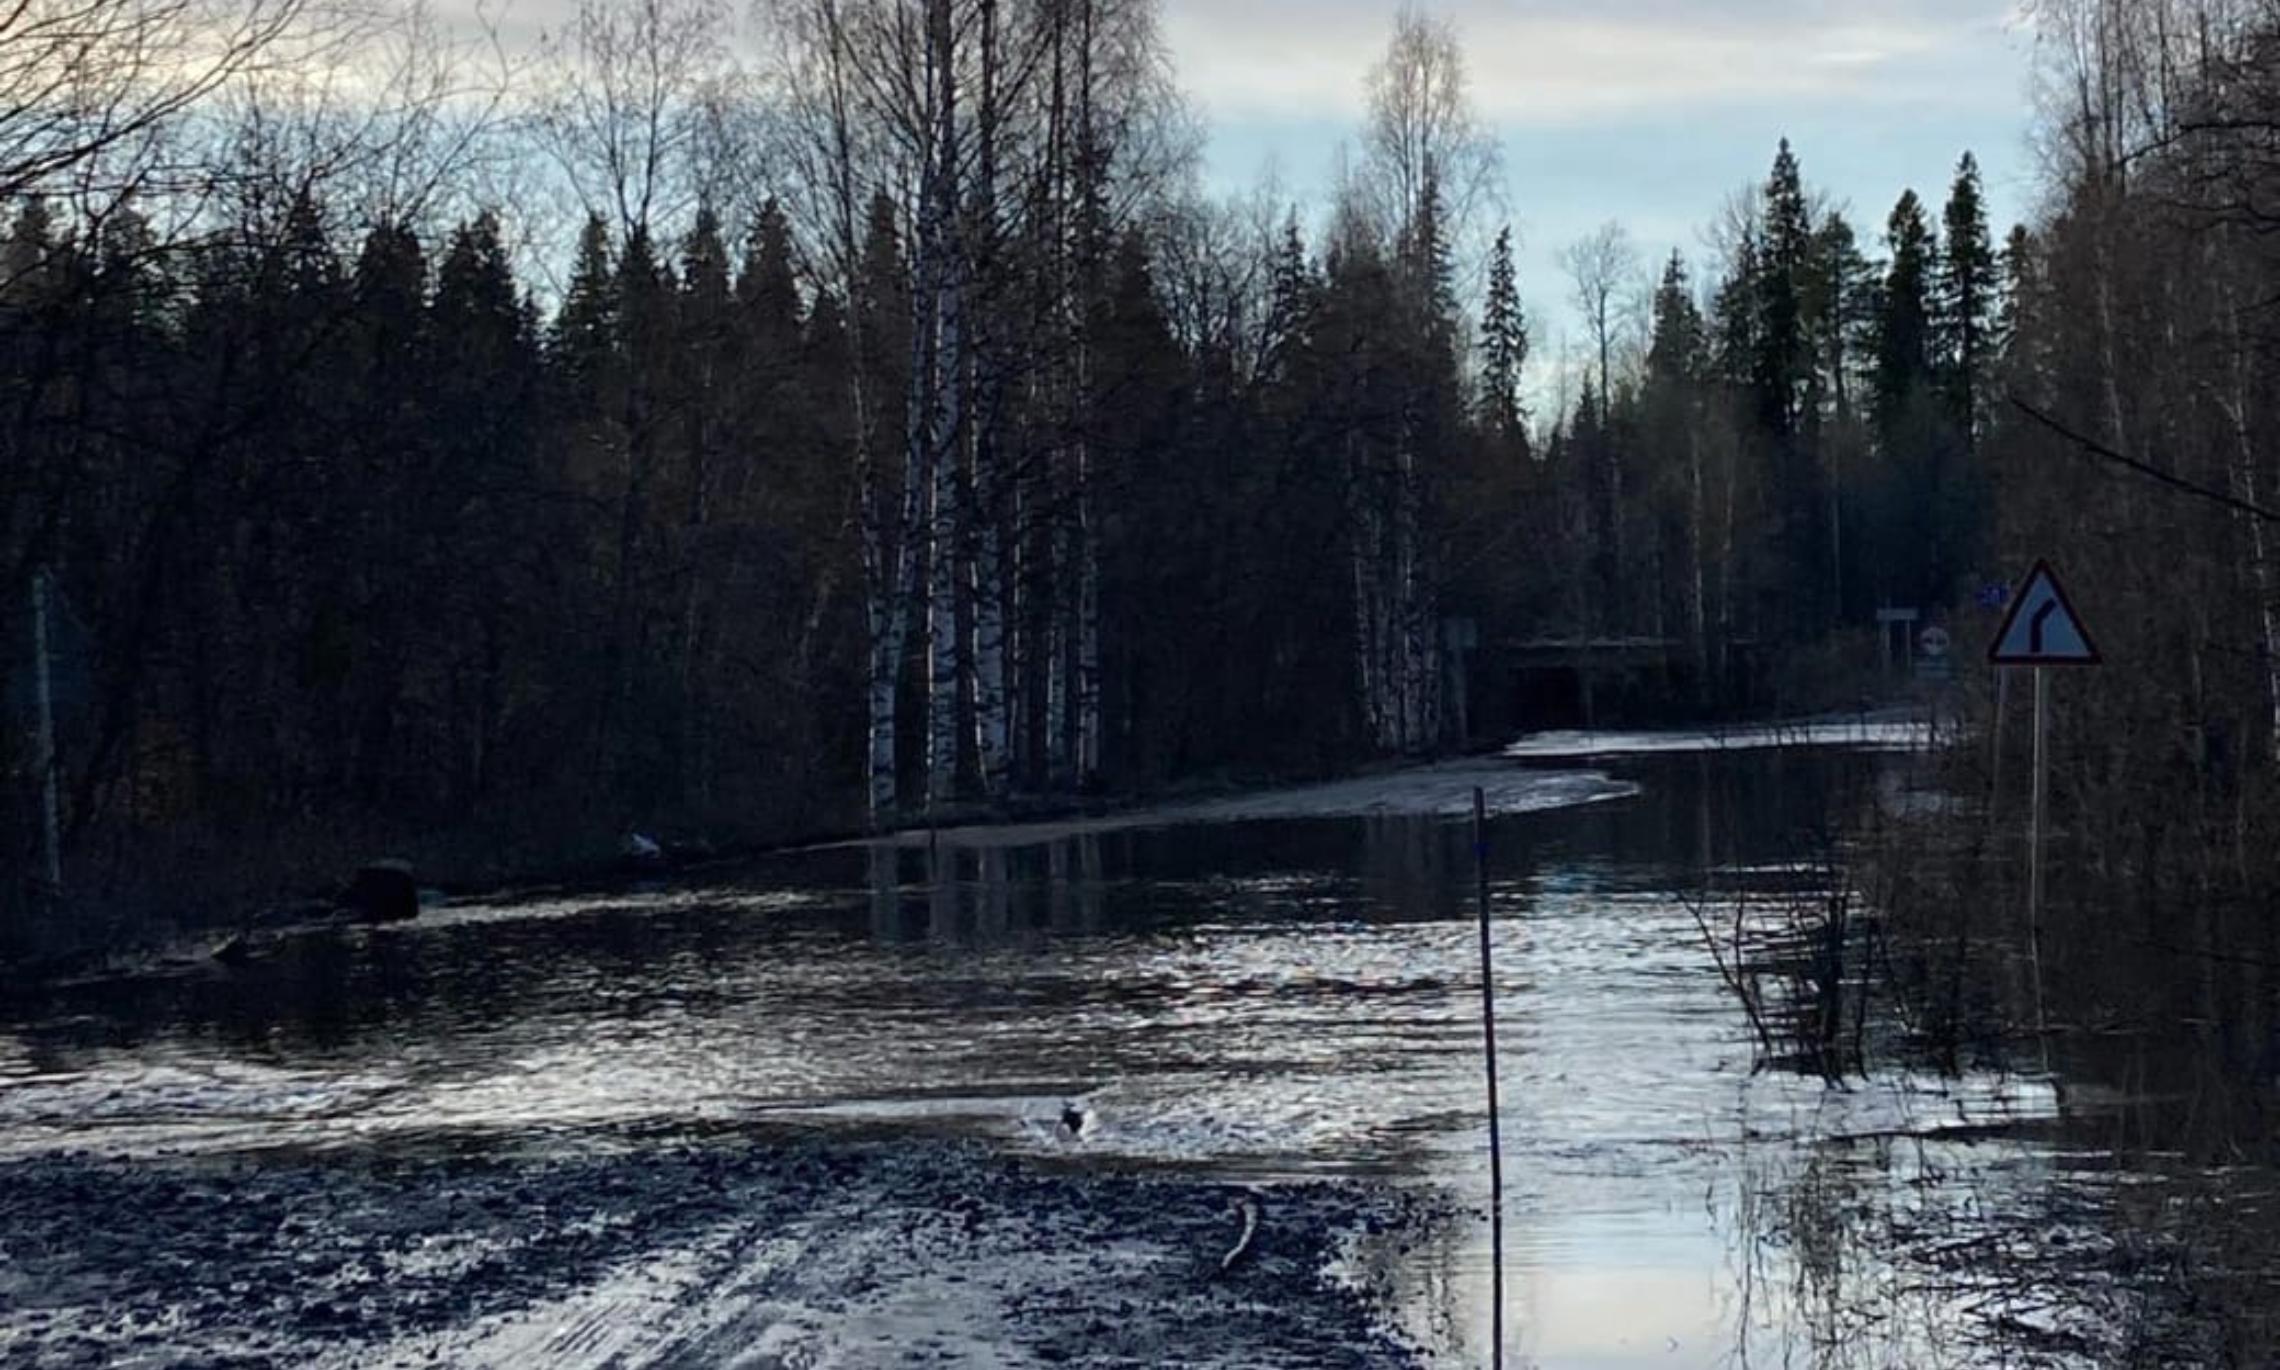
x: 1293, y: 296
x: 1927, y: 512
x: 1967, y: 298
x: 484, y: 341
x: 1841, y: 307
x: 1734, y: 313
x: 705, y: 291
x: 1675, y: 350
x: 1785, y: 254
x: 1905, y: 339
x: 768, y: 292
x: 1784, y: 393
x: 1504, y: 348
x: 585, y: 333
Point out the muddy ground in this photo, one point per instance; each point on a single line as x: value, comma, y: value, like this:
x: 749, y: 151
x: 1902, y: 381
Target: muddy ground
x: 748, y: 1252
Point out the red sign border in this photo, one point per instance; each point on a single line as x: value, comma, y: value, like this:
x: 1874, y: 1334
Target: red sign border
x: 2042, y: 567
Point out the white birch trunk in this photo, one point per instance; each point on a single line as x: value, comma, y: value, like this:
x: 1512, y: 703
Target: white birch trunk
x: 2110, y: 365
x: 885, y: 589
x: 1726, y: 569
x: 942, y: 585
x: 1408, y: 608
x: 2268, y: 613
x: 1086, y: 607
x: 1088, y: 626
x: 944, y: 579
x: 886, y: 620
x: 988, y: 652
x: 987, y: 590
x: 1368, y: 599
x: 915, y: 499
x: 1059, y: 648
x: 2244, y: 485
x: 943, y: 418
x: 696, y: 768
x: 1698, y: 624
x: 43, y: 742
x: 1044, y: 693
x: 1084, y: 596
x: 1020, y: 644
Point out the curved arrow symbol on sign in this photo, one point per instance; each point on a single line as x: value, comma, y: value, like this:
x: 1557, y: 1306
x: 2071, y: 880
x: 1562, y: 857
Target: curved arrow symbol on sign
x: 2035, y: 628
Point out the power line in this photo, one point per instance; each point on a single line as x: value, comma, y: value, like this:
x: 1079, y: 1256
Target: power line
x: 2100, y: 450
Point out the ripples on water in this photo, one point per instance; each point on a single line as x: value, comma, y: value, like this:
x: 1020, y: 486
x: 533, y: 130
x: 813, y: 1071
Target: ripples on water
x: 1249, y: 992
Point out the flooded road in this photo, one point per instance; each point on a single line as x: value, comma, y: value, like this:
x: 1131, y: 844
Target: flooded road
x: 1271, y: 990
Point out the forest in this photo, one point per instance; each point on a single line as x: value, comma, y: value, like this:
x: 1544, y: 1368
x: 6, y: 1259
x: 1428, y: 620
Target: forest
x: 748, y: 424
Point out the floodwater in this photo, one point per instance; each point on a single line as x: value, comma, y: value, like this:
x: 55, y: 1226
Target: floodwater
x: 1280, y: 987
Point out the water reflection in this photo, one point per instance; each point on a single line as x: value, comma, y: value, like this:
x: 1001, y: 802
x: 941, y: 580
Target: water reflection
x: 953, y: 896
x: 1291, y: 995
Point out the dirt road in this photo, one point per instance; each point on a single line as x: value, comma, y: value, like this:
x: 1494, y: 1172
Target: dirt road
x: 765, y: 1254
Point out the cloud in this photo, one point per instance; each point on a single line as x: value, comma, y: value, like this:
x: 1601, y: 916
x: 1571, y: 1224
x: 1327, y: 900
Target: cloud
x: 1562, y: 62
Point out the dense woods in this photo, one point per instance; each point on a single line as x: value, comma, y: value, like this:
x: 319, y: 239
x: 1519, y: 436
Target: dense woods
x: 2130, y: 440
x: 887, y: 422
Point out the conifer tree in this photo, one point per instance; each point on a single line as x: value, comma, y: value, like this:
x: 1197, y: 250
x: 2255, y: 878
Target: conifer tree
x: 1968, y: 295
x: 583, y: 340
x: 1784, y: 260
x: 1905, y: 331
x: 1504, y: 348
x: 1783, y: 381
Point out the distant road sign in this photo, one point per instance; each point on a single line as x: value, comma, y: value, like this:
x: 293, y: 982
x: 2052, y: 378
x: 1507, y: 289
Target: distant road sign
x: 1992, y: 594
x: 1932, y: 661
x: 2042, y: 628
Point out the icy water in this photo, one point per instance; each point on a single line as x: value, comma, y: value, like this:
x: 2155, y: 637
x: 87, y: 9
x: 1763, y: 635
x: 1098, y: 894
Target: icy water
x: 1284, y: 986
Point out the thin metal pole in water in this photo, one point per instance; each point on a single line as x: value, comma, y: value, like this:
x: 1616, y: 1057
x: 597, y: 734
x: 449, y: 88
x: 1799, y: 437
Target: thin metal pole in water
x: 2036, y: 821
x: 1495, y: 1135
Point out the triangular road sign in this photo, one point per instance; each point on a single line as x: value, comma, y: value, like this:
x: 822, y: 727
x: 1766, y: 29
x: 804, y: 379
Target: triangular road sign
x: 2042, y: 628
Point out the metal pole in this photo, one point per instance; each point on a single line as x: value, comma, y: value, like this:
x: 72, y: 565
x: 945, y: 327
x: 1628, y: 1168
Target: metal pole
x: 43, y: 745
x: 1495, y: 1136
x: 2035, y: 823
x: 2002, y: 706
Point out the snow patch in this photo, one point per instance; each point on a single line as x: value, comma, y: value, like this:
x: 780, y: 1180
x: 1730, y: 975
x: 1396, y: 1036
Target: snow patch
x: 1440, y: 791
x: 1873, y: 732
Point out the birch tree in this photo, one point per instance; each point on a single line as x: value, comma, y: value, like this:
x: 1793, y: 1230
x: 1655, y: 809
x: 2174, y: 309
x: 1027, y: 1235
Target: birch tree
x: 843, y: 157
x: 1428, y: 169
x: 1603, y: 272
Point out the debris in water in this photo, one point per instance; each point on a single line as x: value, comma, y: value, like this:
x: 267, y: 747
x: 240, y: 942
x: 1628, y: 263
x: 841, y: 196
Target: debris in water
x: 1248, y: 1206
x: 383, y: 892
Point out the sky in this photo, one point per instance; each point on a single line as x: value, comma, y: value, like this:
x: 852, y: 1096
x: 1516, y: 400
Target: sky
x: 1649, y: 112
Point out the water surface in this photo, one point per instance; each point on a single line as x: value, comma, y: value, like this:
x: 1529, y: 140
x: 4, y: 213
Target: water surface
x: 1256, y: 990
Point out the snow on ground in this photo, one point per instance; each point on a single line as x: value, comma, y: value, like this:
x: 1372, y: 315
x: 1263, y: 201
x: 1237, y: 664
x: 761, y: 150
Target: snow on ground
x: 1873, y: 732
x: 1445, y: 790
x: 1441, y: 791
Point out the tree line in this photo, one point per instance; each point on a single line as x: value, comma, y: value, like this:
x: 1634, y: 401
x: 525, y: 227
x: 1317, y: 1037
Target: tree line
x: 1773, y: 455
x: 903, y: 430
x: 2132, y: 445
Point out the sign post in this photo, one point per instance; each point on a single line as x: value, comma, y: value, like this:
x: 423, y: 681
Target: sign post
x: 1495, y: 1137
x: 2042, y: 630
